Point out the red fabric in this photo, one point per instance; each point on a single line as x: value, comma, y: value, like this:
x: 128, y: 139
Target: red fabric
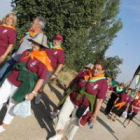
x: 124, y: 98
x: 59, y: 37
x: 98, y: 88
x: 7, y: 36
x: 33, y: 65
x: 85, y: 119
x: 56, y: 56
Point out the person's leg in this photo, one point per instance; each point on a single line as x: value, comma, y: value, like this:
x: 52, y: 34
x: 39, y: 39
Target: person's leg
x: 73, y: 126
x: 38, y: 97
x: 3, y: 69
x: 5, y: 91
x: 6, y: 68
x: 113, y: 117
x: 130, y: 118
x: 9, y: 114
x: 64, y: 115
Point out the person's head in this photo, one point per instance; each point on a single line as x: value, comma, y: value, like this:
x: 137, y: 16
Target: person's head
x: 121, y: 85
x: 129, y: 90
x: 99, y: 68
x: 10, y: 19
x: 58, y: 40
x: 39, y: 42
x: 38, y: 24
x: 137, y: 95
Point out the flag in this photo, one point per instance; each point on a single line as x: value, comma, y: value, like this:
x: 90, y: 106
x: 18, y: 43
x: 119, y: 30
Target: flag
x: 137, y: 76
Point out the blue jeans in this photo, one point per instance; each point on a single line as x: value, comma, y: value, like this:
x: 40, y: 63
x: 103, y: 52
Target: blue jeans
x: 6, y: 68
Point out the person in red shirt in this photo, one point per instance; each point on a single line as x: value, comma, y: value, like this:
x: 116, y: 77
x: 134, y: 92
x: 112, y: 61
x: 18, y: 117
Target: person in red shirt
x: 56, y: 56
x: 89, y: 93
x: 121, y: 104
x: 133, y: 110
x: 7, y: 35
x: 25, y: 79
x: 70, y: 86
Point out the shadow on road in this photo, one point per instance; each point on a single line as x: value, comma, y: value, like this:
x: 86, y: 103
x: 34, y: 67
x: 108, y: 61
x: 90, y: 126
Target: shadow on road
x: 55, y: 91
x: 107, y: 127
x: 43, y: 109
x: 42, y: 114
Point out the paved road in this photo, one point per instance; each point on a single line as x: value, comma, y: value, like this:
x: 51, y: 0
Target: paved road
x: 39, y: 126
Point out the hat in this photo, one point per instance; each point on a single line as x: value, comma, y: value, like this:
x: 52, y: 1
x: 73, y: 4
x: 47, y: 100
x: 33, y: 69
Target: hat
x: 40, y: 39
x: 89, y: 66
x: 59, y: 37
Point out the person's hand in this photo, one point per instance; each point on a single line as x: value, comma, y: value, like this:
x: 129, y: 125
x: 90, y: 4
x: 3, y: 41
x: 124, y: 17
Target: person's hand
x: 93, y: 120
x: 30, y: 96
x: 53, y: 76
x: 2, y: 58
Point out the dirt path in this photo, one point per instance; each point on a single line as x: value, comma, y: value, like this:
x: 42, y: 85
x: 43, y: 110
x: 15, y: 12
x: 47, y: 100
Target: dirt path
x: 39, y: 126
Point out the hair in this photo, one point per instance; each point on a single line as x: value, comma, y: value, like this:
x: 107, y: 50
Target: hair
x: 130, y: 89
x: 121, y: 84
x: 14, y: 19
x: 41, y: 21
x: 100, y: 62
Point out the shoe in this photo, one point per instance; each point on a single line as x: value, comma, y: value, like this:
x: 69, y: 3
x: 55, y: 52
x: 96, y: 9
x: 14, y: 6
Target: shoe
x: 113, y: 120
x: 53, y: 115
x: 108, y: 117
x: 37, y: 99
x: 84, y: 119
x: 2, y: 129
x: 56, y: 137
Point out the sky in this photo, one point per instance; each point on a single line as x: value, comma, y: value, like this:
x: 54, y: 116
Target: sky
x: 5, y: 7
x: 127, y: 43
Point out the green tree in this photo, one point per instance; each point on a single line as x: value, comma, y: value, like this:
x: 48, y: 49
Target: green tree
x: 89, y: 26
x: 112, y: 66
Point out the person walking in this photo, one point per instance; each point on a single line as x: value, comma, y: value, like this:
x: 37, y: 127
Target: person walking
x: 88, y: 95
x: 38, y: 25
x: 7, y: 35
x: 26, y: 78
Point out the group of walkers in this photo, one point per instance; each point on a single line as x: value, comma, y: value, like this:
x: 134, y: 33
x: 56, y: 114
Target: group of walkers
x: 122, y: 101
x: 36, y: 61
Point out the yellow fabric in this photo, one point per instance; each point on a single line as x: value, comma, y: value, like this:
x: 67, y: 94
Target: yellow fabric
x: 7, y: 26
x: 88, y: 77
x: 59, y: 48
x: 42, y: 57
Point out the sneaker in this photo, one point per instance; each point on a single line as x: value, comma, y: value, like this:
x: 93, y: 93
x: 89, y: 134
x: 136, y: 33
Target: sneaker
x: 56, y: 137
x: 53, y: 115
x: 2, y: 129
x: 84, y: 119
x: 37, y: 99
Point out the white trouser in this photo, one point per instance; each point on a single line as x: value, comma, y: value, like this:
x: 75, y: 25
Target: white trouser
x: 64, y: 115
x: 6, y: 91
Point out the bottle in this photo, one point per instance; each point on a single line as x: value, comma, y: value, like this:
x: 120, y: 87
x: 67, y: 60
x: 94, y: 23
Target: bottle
x: 90, y: 124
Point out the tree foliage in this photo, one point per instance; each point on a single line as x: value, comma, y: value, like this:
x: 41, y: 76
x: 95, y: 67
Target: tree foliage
x: 89, y: 26
x: 112, y: 66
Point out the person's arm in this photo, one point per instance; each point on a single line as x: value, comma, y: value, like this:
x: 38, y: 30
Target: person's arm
x: 35, y: 90
x: 3, y: 57
x: 135, y: 107
x: 58, y: 69
x: 97, y: 109
x: 127, y: 107
x: 116, y: 100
